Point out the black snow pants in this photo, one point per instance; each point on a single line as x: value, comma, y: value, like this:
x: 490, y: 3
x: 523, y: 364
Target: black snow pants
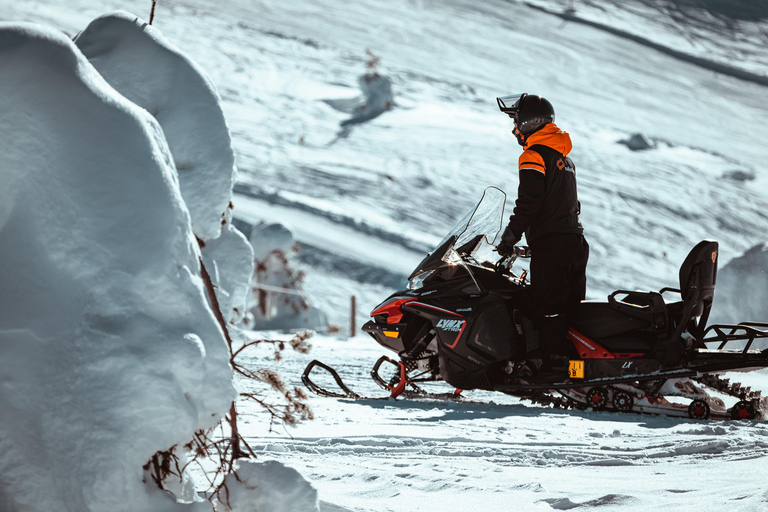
x: 558, y: 284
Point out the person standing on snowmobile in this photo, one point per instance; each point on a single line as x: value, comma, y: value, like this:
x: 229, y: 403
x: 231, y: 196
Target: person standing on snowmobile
x: 547, y: 211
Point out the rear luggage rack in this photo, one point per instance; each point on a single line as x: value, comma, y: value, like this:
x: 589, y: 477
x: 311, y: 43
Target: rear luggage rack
x: 729, y: 334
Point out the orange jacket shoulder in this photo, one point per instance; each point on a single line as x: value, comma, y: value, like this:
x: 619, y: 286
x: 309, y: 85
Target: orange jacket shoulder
x: 532, y: 161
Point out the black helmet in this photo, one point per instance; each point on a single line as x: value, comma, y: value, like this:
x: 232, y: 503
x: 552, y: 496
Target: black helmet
x: 530, y: 113
x: 535, y: 112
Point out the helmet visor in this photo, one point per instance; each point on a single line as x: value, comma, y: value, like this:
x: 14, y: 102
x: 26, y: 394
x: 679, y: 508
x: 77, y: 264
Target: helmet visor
x: 510, y: 104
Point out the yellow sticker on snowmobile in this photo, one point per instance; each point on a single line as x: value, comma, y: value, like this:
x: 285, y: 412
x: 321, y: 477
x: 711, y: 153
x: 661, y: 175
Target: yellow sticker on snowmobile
x: 576, y: 369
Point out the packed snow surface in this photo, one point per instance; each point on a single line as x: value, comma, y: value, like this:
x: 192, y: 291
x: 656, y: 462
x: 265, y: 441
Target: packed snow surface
x: 497, y: 453
x: 108, y: 349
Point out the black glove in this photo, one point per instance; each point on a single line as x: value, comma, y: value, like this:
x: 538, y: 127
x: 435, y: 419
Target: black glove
x: 508, y: 240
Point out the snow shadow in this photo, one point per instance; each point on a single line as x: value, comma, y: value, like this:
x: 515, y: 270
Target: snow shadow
x: 330, y: 507
x: 363, y: 227
x: 462, y: 411
x: 746, y: 10
x: 603, y: 501
x: 360, y: 272
x: 711, y: 65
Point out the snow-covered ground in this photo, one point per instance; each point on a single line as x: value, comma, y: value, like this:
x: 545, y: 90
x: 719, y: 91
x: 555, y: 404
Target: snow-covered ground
x: 367, y: 204
x: 494, y: 452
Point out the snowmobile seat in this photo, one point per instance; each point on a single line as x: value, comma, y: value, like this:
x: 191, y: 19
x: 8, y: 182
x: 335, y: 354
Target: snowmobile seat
x: 617, y: 331
x: 649, y: 307
x: 698, y: 276
x: 636, y: 321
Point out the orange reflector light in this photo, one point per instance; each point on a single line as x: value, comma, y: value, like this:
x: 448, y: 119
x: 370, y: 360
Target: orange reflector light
x: 391, y: 334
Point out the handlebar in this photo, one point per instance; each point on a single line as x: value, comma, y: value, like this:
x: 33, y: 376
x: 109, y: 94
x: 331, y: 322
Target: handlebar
x: 506, y: 262
x: 522, y: 251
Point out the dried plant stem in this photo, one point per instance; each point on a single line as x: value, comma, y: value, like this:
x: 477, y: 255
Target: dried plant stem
x: 152, y: 12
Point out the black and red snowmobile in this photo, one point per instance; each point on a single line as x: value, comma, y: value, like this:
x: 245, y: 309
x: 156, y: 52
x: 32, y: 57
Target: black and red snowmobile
x: 465, y: 320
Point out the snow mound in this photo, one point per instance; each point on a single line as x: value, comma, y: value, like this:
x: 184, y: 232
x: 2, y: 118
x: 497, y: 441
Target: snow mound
x: 603, y: 501
x: 268, y: 486
x: 739, y: 175
x: 638, y: 142
x: 377, y: 98
x: 229, y: 261
x: 146, y: 68
x: 108, y: 349
x: 742, y: 288
x: 277, y: 302
x: 269, y: 237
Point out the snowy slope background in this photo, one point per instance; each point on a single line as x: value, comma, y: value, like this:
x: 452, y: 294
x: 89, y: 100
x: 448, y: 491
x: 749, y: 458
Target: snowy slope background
x: 365, y: 207
x: 365, y: 203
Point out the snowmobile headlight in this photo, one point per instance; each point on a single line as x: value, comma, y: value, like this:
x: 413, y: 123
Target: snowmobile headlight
x: 418, y: 280
x: 452, y: 257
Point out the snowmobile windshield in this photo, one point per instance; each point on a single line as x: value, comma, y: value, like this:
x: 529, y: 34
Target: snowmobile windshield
x: 473, y: 237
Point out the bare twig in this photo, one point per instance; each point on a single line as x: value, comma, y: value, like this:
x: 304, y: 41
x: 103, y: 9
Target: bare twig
x: 373, y: 62
x: 152, y: 12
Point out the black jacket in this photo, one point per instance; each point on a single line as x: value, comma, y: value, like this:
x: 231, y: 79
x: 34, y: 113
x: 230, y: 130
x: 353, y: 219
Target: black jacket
x: 547, y: 202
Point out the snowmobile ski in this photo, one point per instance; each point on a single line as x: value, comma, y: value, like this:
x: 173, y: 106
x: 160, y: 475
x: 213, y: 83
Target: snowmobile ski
x: 398, y: 386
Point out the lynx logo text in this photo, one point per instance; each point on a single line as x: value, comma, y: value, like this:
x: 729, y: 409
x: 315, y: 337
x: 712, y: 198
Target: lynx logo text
x: 451, y: 325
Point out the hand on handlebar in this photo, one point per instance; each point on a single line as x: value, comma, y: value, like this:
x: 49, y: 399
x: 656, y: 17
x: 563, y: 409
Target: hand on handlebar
x: 522, y: 251
x: 507, y: 245
x: 518, y: 251
x: 506, y: 261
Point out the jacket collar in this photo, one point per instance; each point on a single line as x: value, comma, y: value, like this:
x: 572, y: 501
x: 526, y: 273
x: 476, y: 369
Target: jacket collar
x: 552, y: 137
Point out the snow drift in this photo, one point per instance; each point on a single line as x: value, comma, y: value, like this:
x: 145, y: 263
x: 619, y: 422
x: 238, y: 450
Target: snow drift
x: 742, y: 288
x: 141, y: 64
x: 376, y: 98
x: 268, y: 486
x: 146, y: 68
x: 108, y: 349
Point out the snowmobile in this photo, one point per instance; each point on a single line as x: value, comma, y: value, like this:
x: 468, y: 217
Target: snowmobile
x: 466, y: 320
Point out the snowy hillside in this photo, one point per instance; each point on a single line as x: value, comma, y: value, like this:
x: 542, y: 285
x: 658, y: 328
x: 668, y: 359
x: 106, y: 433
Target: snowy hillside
x: 405, y: 176
x: 366, y: 200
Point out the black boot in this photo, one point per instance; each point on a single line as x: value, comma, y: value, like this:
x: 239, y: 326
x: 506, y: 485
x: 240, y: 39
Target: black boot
x: 554, y: 336
x: 555, y: 349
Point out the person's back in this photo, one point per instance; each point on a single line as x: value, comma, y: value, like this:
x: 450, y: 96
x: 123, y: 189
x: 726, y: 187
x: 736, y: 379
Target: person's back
x: 547, y: 201
x: 547, y: 211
